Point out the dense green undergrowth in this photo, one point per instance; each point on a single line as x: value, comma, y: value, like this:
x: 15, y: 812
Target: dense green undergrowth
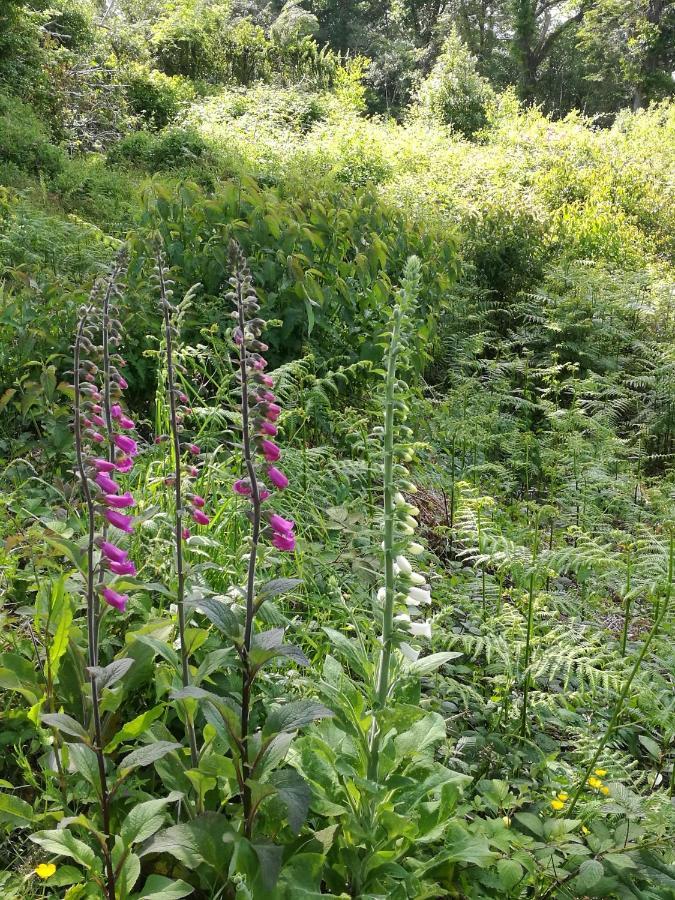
x: 535, y: 758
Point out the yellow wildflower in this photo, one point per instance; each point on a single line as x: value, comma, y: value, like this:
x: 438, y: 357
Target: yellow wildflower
x: 507, y: 821
x: 563, y: 796
x: 585, y: 830
x: 557, y: 804
x: 45, y: 870
x: 601, y: 772
x: 595, y: 782
x: 604, y: 789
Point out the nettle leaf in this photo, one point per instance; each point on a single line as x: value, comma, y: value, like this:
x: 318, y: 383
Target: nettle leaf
x: 135, y: 728
x: 510, y: 872
x: 106, y: 676
x: 66, y: 724
x: 294, y: 715
x: 590, y: 872
x: 14, y: 811
x: 428, y: 664
x: 147, y: 755
x: 157, y: 887
x: 219, y: 614
x: 64, y: 843
x: 531, y: 823
x: 295, y: 794
x: 145, y: 819
x: 276, y: 587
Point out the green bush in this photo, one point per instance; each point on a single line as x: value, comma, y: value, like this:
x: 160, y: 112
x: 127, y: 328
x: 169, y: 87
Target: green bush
x: 155, y: 97
x: 174, y: 148
x: 24, y: 141
x: 454, y: 93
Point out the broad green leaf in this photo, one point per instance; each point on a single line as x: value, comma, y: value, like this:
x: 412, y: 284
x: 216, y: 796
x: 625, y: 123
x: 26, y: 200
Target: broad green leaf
x: 64, y: 843
x: 107, y: 676
x: 510, y: 872
x: 220, y: 614
x: 590, y: 872
x: 60, y: 611
x: 66, y: 724
x: 85, y: 762
x: 146, y: 755
x: 428, y: 664
x: 295, y: 794
x: 276, y: 587
x: 14, y: 811
x: 145, y: 819
x: 157, y: 887
x: 293, y: 715
x: 135, y: 728
x: 531, y: 822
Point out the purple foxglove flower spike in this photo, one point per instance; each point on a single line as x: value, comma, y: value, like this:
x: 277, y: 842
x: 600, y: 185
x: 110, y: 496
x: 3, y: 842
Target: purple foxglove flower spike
x: 103, y: 465
x: 124, y: 464
x: 126, y: 444
x: 200, y: 517
x: 278, y: 523
x: 270, y: 450
x: 284, y: 541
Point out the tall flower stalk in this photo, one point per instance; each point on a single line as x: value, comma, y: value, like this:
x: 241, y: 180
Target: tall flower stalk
x: 100, y: 423
x: 179, y: 480
x: 402, y: 586
x: 259, y: 412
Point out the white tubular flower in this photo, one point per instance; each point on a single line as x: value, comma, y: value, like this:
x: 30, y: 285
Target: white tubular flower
x: 402, y: 617
x: 416, y: 578
x: 411, y: 523
x: 420, y: 629
x: 399, y: 500
x: 381, y: 595
x: 415, y: 549
x: 403, y: 565
x: 418, y: 596
x: 406, y: 529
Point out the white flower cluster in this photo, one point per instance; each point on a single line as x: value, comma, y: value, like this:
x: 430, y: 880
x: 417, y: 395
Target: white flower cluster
x: 412, y: 590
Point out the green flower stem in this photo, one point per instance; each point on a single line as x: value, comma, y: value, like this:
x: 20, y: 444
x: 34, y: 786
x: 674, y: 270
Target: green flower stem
x: 178, y: 521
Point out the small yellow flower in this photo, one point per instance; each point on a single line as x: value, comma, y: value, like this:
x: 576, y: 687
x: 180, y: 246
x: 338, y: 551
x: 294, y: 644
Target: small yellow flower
x: 595, y: 782
x: 585, y: 830
x: 507, y: 821
x: 563, y: 796
x: 45, y: 870
x: 601, y: 772
x: 604, y: 790
x: 557, y: 804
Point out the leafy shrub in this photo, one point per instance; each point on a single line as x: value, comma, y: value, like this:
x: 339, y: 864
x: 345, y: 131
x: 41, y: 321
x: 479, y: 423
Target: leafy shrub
x: 188, y: 39
x: 24, y: 140
x: 454, y: 93
x: 173, y: 148
x: 155, y: 97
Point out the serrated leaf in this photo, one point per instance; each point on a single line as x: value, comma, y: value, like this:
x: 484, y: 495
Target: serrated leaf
x: 590, y: 872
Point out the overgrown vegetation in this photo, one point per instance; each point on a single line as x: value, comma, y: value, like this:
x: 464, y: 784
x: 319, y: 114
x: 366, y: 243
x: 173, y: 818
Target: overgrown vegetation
x: 336, y: 510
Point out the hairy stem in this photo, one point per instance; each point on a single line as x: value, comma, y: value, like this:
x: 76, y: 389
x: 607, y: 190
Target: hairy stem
x: 178, y: 521
x: 247, y: 673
